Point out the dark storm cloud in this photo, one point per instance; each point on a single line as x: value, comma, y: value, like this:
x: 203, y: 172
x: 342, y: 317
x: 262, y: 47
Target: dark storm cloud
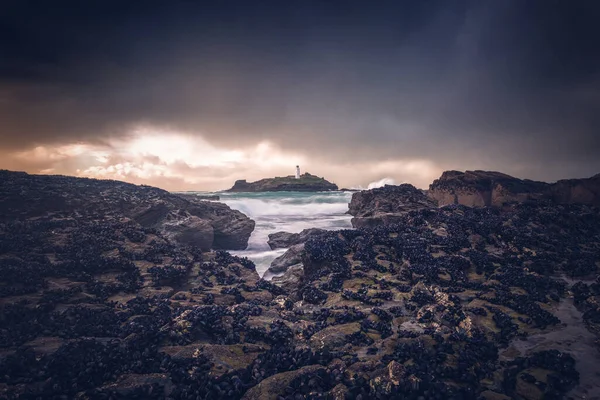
x: 511, y: 85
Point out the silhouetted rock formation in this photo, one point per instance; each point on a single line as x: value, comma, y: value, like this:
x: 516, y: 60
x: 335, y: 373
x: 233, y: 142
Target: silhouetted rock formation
x: 295, y: 242
x: 306, y: 183
x: 386, y: 205
x: 471, y: 188
x: 184, y: 219
x: 291, y: 257
x: 577, y: 191
x: 281, y: 240
x: 489, y: 188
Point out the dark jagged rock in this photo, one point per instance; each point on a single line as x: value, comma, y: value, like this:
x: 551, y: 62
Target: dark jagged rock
x: 490, y: 188
x: 291, y: 281
x: 282, y: 240
x: 270, y: 388
x: 292, y: 256
x: 386, y: 205
x: 191, y: 231
x: 100, y: 308
x: 232, y: 229
x: 184, y: 219
x: 306, y: 183
x: 577, y: 191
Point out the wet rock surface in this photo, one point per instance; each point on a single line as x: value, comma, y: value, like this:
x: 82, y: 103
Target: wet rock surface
x: 386, y: 205
x: 282, y: 240
x: 182, y: 218
x: 427, y: 308
x: 490, y: 188
x: 292, y: 256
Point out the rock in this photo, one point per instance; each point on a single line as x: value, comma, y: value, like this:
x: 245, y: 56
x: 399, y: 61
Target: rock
x: 386, y: 205
x: 223, y: 358
x: 272, y: 387
x: 340, y: 392
x: 129, y: 384
x: 185, y: 219
x: 306, y: 183
x: 490, y: 188
x: 45, y: 345
x: 230, y: 358
x: 191, y: 231
x: 291, y: 280
x: 95, y: 305
x: 232, y: 229
x: 333, y: 336
x: 181, y: 353
x: 396, y: 372
x: 491, y: 395
x: 292, y: 256
x: 281, y: 240
x: 483, y: 188
x: 577, y: 191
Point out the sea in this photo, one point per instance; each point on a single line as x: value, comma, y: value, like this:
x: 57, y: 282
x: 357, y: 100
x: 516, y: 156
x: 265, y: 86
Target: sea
x: 286, y: 211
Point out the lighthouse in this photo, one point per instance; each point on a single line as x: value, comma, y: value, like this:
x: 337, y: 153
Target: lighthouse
x: 297, y: 172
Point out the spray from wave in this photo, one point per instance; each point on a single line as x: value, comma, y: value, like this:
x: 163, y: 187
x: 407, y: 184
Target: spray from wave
x: 381, y: 183
x: 376, y: 184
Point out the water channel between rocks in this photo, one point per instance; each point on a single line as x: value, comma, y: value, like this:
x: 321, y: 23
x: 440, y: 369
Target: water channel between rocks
x: 574, y: 338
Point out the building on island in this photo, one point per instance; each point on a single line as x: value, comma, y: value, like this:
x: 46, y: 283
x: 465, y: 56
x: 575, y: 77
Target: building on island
x: 297, y: 172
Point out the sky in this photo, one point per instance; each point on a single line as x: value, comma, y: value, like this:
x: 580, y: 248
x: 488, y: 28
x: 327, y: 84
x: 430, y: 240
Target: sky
x: 193, y: 95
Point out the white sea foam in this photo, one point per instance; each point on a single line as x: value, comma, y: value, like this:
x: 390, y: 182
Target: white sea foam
x: 376, y: 184
x: 381, y: 183
x: 286, y: 211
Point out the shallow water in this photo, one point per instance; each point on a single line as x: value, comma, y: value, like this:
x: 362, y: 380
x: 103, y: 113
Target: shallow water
x: 289, y: 212
x: 574, y: 338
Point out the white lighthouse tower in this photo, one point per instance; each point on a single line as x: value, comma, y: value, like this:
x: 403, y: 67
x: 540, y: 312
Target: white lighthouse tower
x: 297, y: 172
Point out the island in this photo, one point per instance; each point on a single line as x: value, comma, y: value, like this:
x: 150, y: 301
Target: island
x: 300, y: 183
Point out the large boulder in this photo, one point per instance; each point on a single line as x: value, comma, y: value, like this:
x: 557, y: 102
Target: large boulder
x: 291, y: 281
x: 282, y: 240
x: 484, y: 188
x: 386, y: 205
x: 192, y: 231
x: 232, y: 228
x: 291, y: 257
x: 185, y: 219
x: 577, y: 191
x: 490, y: 188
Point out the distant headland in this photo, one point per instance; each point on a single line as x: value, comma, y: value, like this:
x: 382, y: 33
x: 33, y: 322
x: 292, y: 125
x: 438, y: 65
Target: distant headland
x: 298, y: 183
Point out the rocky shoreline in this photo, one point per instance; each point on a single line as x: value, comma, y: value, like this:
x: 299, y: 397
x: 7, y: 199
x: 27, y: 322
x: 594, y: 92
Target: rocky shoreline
x: 387, y: 204
x: 183, y: 218
x: 99, y: 300
x: 490, y: 188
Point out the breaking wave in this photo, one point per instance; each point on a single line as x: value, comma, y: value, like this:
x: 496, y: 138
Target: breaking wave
x: 286, y: 211
x: 381, y: 183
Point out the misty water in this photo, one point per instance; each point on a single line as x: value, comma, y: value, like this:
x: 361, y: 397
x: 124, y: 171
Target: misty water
x: 289, y: 212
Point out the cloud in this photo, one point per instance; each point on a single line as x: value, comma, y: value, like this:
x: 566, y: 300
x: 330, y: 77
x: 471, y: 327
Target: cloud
x: 356, y: 92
